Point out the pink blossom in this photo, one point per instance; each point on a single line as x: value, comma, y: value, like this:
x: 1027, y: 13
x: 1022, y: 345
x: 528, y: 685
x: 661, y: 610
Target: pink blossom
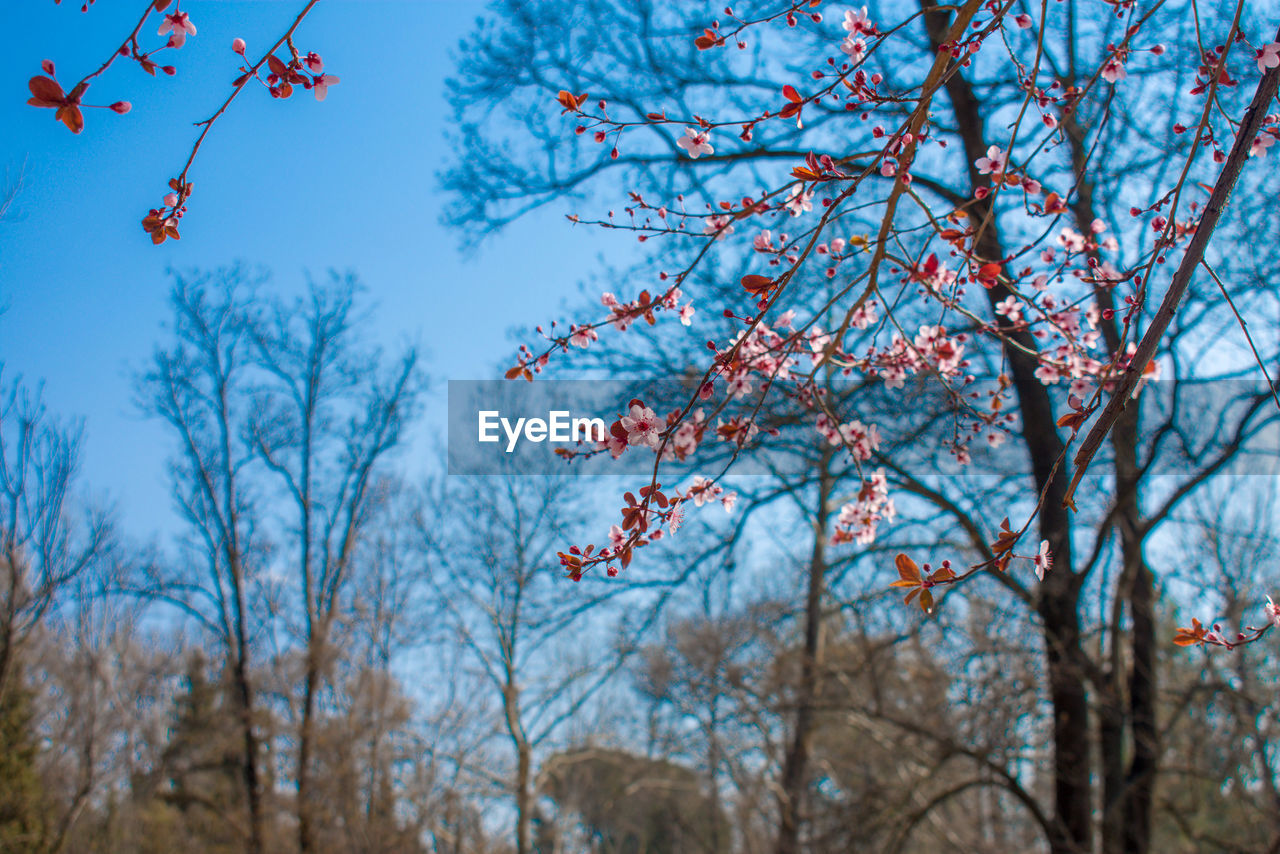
x: 238, y: 46
x: 719, y: 226
x: 641, y: 426
x: 1261, y: 144
x: 686, y: 314
x: 1010, y: 308
x: 695, y: 142
x: 1043, y: 560
x: 994, y: 163
x: 616, y: 536
x: 320, y: 85
x: 855, y: 48
x: 1269, y: 56
x: 1113, y: 70
x: 858, y: 22
x: 582, y: 336
x: 799, y: 200
x: 675, y: 519
x: 763, y: 241
x: 1273, y: 612
x: 314, y: 63
x: 728, y: 500
x: 1023, y: 21
x: 179, y: 24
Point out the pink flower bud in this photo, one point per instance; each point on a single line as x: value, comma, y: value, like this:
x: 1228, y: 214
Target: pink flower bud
x: 171, y: 199
x: 238, y: 46
x: 122, y: 107
x: 47, y: 66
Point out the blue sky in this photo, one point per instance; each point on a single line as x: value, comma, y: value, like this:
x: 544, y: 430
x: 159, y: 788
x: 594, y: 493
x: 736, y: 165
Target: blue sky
x: 293, y: 186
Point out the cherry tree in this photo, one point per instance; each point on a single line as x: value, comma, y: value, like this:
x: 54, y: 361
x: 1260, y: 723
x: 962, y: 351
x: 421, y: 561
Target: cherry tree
x: 990, y: 202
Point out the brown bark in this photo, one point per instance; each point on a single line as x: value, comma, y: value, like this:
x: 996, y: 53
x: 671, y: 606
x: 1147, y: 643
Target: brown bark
x: 1059, y: 593
x: 1126, y: 794
x: 794, y: 768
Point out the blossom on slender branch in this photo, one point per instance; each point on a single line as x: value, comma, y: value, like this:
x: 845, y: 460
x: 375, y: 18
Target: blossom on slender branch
x: 695, y: 142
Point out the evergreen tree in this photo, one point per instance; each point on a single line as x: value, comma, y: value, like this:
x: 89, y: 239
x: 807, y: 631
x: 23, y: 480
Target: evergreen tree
x: 21, y: 792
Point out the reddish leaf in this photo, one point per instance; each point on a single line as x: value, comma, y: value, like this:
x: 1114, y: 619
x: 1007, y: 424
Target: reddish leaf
x: 989, y: 272
x: 569, y: 101
x: 71, y: 116
x: 756, y: 284
x: 789, y: 92
x: 512, y: 373
x: 47, y: 92
x: 278, y: 68
x: 1192, y: 636
x: 908, y: 572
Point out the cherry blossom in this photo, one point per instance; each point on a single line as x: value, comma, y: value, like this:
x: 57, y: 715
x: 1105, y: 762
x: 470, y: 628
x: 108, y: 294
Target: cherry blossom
x: 179, y: 24
x: 675, y: 520
x: 799, y: 200
x: 314, y: 63
x: 720, y: 226
x: 582, y: 336
x: 1113, y: 69
x: 1272, y: 610
x: 320, y: 85
x: 1260, y: 145
x: 994, y: 163
x: 1011, y: 308
x: 1269, y: 56
x: 858, y: 23
x: 641, y: 426
x: 695, y: 142
x: 1023, y: 21
x: 238, y: 46
x: 1043, y: 560
x: 855, y: 48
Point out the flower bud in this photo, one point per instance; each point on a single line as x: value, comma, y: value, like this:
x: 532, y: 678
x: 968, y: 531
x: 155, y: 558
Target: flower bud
x: 238, y: 46
x: 121, y: 107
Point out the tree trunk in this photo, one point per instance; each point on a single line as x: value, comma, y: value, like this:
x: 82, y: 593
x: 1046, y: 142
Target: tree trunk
x: 250, y: 762
x: 1058, y: 603
x: 524, y: 757
x: 305, y: 830
x: 1126, y: 796
x: 794, y: 770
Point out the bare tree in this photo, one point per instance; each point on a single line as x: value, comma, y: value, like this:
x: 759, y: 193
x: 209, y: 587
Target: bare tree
x: 324, y: 422
x: 497, y: 582
x: 46, y: 541
x: 199, y: 386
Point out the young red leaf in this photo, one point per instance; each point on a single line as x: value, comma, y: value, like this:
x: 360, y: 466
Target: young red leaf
x: 46, y: 92
x: 908, y: 572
